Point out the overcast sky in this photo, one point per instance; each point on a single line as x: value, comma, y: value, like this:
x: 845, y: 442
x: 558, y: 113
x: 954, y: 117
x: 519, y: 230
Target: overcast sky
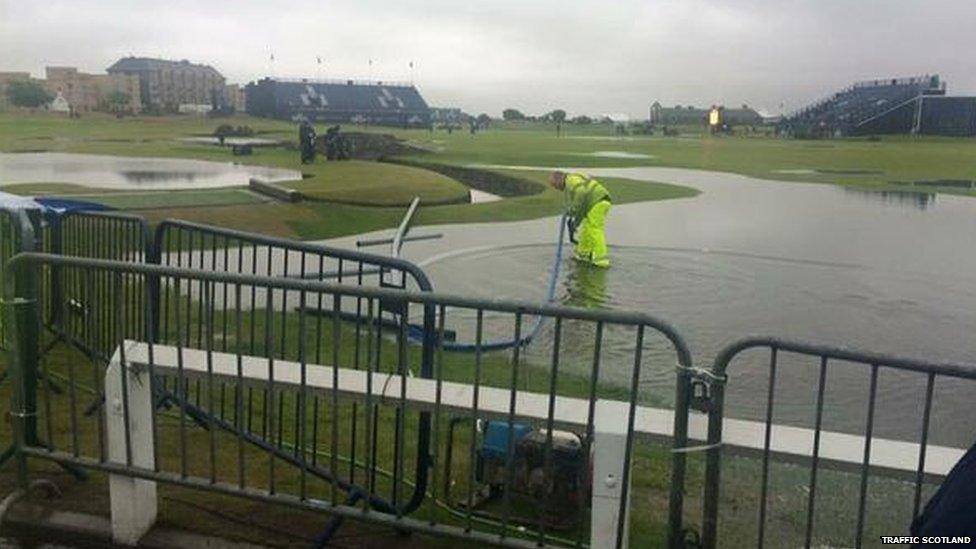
x: 586, y: 56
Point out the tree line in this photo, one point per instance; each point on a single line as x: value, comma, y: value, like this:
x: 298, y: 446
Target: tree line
x: 557, y: 116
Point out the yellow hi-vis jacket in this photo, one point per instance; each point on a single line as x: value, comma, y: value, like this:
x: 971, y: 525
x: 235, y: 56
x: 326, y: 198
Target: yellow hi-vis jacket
x: 581, y: 193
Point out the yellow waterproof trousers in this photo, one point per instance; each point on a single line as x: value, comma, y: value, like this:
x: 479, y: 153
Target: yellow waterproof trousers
x: 592, y: 242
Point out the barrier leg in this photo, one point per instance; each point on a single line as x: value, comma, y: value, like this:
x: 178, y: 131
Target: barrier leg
x: 133, y: 501
x: 609, y: 459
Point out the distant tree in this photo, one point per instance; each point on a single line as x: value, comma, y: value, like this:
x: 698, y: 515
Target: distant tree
x: 582, y: 119
x: 642, y: 128
x: 512, y: 114
x: 117, y: 101
x: 483, y: 120
x: 224, y: 130
x: 28, y: 94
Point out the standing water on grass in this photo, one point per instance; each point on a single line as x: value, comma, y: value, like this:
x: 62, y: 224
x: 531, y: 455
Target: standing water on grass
x: 118, y: 172
x: 877, y: 271
x: 477, y: 197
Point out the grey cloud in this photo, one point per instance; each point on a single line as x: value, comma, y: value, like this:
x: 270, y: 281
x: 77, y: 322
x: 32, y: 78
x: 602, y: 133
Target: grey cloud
x: 585, y: 56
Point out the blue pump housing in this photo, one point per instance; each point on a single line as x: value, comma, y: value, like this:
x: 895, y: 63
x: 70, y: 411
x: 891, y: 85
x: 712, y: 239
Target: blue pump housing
x: 495, y: 445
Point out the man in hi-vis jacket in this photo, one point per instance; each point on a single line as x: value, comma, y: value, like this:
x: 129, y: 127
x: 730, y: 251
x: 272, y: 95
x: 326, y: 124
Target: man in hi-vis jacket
x: 587, y: 205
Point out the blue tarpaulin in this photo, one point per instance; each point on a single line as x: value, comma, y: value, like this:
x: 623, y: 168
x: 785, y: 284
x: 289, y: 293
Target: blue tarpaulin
x: 62, y: 205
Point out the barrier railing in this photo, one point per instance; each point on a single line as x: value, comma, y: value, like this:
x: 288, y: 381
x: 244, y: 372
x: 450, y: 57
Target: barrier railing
x: 288, y: 446
x: 192, y: 245
x: 17, y: 234
x: 227, y: 316
x: 818, y: 447
x: 100, y: 235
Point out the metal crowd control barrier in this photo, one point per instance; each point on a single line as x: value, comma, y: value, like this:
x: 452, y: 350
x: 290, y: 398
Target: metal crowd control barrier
x: 845, y: 451
x: 17, y: 234
x: 99, y: 235
x: 197, y: 246
x: 205, y: 309
x: 163, y: 394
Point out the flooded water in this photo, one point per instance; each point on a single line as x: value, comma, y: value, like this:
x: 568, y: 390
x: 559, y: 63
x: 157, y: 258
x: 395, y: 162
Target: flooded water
x: 478, y: 197
x: 253, y: 141
x: 887, y: 272
x: 117, y: 172
x: 620, y: 154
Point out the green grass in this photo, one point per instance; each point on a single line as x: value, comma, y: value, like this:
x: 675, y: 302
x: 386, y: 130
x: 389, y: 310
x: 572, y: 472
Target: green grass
x: 353, y: 219
x: 897, y: 158
x: 374, y: 183
x: 371, y: 182
x: 893, y: 162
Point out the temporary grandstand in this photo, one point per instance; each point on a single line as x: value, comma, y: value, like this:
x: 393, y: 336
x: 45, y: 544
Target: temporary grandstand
x: 383, y: 103
x: 916, y: 105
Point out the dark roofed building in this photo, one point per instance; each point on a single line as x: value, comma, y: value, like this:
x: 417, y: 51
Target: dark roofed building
x: 688, y: 115
x: 166, y: 85
x: 384, y: 103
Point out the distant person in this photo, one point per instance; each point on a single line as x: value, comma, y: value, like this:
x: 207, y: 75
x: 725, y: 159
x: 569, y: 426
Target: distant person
x: 336, y: 147
x: 587, y: 204
x: 306, y: 140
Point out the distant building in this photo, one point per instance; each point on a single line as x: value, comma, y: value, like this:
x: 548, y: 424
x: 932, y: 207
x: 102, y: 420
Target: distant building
x: 743, y: 116
x: 193, y: 108
x: 689, y: 115
x: 165, y: 85
x: 235, y: 98
x: 383, y: 103
x: 85, y: 92
x: 81, y: 92
x: 617, y: 118
x: 677, y: 115
x: 447, y: 115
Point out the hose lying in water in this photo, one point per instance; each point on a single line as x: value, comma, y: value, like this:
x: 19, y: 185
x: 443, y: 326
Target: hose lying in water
x: 497, y: 345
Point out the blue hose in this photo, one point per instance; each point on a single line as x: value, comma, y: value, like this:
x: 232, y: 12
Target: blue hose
x: 498, y: 345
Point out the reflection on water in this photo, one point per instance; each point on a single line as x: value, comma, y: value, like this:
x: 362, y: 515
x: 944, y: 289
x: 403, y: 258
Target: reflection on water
x: 715, y: 298
x: 586, y: 286
x: 253, y: 141
x: 117, y: 172
x: 477, y: 197
x: 915, y: 199
x: 882, y: 272
x: 145, y: 176
x: 748, y: 256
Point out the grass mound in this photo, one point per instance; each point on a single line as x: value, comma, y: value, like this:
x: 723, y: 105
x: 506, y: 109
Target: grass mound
x: 378, y: 184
